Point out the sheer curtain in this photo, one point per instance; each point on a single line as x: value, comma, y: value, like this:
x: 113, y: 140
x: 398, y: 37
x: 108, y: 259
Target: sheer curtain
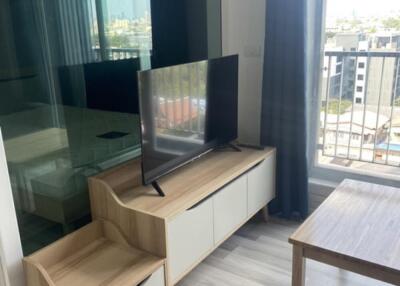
x: 315, y: 15
x: 291, y: 64
x: 51, y: 33
x: 70, y: 27
x: 75, y: 22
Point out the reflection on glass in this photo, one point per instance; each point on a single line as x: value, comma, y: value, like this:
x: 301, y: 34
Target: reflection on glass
x: 180, y: 101
x: 68, y: 96
x: 186, y: 110
x: 178, y: 112
x: 126, y: 32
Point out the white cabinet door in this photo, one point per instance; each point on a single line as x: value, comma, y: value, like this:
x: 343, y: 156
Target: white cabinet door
x: 157, y: 279
x: 189, y: 237
x: 261, y: 185
x: 230, y: 208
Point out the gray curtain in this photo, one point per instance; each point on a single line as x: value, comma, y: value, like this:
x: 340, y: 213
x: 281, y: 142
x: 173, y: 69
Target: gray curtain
x: 75, y: 17
x: 291, y: 73
x: 66, y: 29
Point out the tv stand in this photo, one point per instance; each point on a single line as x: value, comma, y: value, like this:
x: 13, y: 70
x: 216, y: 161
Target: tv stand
x: 234, y: 147
x: 206, y: 202
x: 157, y: 187
x: 229, y: 145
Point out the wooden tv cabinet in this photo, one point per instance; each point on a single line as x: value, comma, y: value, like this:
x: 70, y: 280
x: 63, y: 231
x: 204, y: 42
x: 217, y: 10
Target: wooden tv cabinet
x: 206, y: 202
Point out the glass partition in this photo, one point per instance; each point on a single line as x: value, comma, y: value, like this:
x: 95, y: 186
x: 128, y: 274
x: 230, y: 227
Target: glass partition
x: 68, y: 94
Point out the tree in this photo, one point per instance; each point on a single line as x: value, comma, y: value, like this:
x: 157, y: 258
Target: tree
x: 392, y: 23
x: 397, y: 102
x: 355, y: 23
x: 119, y: 41
x: 333, y: 106
x: 330, y: 35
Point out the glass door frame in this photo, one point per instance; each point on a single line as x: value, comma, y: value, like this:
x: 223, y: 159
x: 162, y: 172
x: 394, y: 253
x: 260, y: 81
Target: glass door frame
x: 11, y: 255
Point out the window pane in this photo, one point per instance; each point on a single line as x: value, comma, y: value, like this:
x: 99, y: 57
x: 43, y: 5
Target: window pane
x: 360, y: 110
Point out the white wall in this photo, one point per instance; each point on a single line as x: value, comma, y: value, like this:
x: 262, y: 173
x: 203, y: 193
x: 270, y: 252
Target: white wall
x: 10, y: 243
x: 243, y: 33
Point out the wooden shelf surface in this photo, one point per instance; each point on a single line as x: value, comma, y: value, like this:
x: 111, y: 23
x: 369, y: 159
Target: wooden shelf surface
x: 184, y: 187
x: 104, y: 263
x: 95, y: 255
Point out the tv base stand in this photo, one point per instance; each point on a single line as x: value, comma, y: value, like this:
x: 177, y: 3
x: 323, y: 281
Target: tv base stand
x: 234, y: 147
x: 229, y: 145
x: 157, y: 187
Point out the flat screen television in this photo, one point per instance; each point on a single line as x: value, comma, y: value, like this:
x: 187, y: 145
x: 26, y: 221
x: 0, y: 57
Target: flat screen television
x: 186, y: 110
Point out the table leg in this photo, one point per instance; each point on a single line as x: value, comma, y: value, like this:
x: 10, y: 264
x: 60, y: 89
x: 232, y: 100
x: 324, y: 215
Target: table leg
x: 299, y: 267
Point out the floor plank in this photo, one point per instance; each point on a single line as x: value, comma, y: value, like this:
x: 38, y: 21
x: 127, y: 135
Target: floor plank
x: 259, y: 254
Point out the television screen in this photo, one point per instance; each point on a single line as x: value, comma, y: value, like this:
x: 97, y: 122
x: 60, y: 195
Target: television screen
x: 185, y: 111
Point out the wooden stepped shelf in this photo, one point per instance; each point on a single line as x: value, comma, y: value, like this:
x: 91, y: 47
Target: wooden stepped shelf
x: 95, y: 255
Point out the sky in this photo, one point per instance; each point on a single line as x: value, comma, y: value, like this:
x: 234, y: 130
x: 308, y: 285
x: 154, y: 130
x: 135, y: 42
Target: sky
x: 130, y: 8
x: 362, y: 8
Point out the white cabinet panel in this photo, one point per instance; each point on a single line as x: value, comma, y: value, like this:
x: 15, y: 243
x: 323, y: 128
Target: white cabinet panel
x: 230, y: 208
x: 189, y: 237
x: 157, y: 279
x: 261, y: 185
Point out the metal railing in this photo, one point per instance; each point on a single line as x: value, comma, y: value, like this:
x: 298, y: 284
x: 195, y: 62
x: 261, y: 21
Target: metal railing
x: 360, y: 115
x: 180, y: 99
x: 179, y: 92
x: 120, y: 53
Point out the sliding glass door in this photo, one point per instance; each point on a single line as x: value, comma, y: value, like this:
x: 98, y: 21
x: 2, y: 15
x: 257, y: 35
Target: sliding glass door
x: 68, y: 97
x: 66, y: 113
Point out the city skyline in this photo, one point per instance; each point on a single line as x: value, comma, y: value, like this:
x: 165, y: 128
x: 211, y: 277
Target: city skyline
x: 339, y: 9
x: 129, y: 9
x: 360, y: 111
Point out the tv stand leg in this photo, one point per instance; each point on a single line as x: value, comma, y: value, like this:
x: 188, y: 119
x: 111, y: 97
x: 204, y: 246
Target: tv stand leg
x: 234, y: 147
x: 157, y: 187
x: 265, y: 214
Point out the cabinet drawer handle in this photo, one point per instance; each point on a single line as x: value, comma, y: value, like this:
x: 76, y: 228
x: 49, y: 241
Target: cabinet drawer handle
x: 199, y: 203
x: 256, y: 165
x: 205, y: 199
x: 144, y: 281
x: 216, y: 192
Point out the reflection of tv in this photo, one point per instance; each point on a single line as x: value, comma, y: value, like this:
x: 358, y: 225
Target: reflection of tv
x: 186, y: 111
x: 107, y: 86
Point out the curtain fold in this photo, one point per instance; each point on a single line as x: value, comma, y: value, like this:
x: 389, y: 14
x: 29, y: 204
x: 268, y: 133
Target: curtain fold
x: 285, y: 102
x: 75, y: 31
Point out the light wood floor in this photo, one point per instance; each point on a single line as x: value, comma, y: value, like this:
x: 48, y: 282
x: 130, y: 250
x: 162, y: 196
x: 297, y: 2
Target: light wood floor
x: 259, y: 254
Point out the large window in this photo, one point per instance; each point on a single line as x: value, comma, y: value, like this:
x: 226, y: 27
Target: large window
x: 125, y: 30
x: 68, y: 94
x: 360, y: 110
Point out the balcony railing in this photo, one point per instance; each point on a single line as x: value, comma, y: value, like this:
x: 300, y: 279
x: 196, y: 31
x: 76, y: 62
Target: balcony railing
x: 120, y: 53
x: 179, y: 92
x: 181, y: 100
x: 360, y: 114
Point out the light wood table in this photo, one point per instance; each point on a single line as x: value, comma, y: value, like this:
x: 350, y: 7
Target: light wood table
x: 357, y: 229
